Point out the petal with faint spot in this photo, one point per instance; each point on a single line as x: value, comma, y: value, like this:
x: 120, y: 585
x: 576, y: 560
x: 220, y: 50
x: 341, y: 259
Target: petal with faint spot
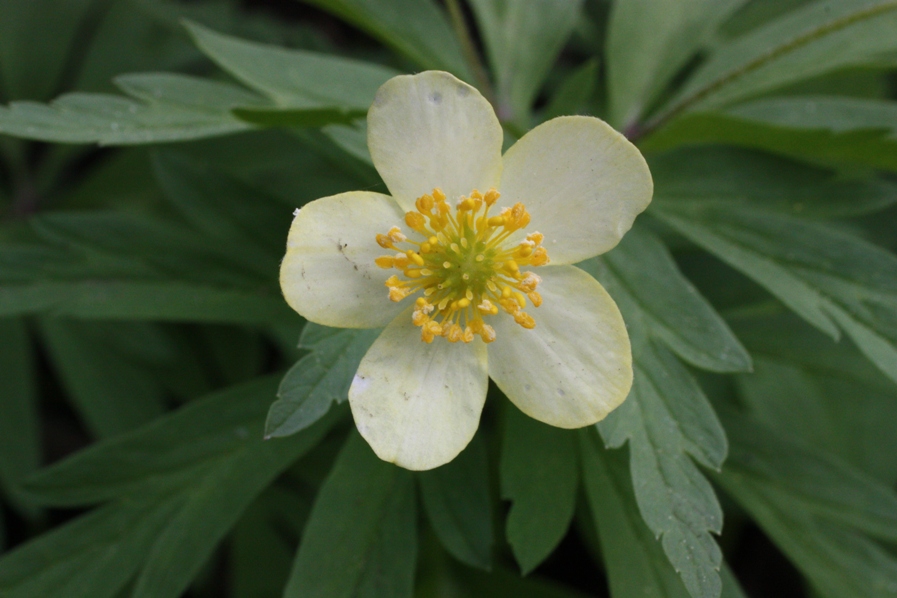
x: 328, y: 274
x: 432, y: 130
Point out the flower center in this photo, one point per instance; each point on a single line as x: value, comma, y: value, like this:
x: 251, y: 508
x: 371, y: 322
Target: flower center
x: 464, y: 265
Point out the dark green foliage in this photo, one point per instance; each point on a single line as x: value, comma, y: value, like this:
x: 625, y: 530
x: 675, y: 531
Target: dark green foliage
x: 162, y: 434
x: 456, y: 500
x: 539, y: 476
x: 361, y: 537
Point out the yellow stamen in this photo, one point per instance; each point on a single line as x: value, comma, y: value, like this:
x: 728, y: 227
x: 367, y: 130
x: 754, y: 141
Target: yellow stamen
x: 462, y: 265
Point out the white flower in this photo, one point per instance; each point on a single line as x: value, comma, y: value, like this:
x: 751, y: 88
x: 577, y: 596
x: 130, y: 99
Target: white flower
x: 444, y: 264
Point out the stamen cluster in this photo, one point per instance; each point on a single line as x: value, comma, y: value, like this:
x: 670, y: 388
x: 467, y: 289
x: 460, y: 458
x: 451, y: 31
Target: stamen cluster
x: 463, y: 266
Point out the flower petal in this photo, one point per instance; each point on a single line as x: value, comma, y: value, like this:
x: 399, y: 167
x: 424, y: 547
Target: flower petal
x: 433, y: 130
x: 417, y: 404
x: 575, y: 366
x: 328, y: 274
x: 581, y: 181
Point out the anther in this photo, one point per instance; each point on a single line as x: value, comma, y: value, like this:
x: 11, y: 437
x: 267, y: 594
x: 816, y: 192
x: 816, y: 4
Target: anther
x: 414, y: 257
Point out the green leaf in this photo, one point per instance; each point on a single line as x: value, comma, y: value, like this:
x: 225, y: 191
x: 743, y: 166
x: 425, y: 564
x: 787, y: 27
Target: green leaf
x: 223, y: 207
x: 456, y: 500
x: 138, y: 35
x: 666, y: 419
x: 636, y: 565
x: 39, y: 38
x: 155, y: 247
x: 91, y: 557
x: 293, y: 78
x: 203, y: 432
x: 539, y: 475
x: 825, y: 129
x: 826, y: 394
x: 201, y: 467
x: 756, y: 180
x: 822, y: 484
x: 166, y: 108
x: 361, y: 538
x: 818, y: 38
x: 261, y: 550
x: 574, y: 92
x: 644, y: 279
x: 837, y: 561
x: 352, y: 140
x: 523, y: 38
x: 417, y: 29
x: 317, y: 380
x: 111, y: 391
x: 19, y: 433
x: 504, y: 583
x: 731, y: 587
x: 144, y: 300
x: 298, y: 118
x: 831, y: 279
x: 648, y: 42
x: 113, y: 265
x: 211, y: 506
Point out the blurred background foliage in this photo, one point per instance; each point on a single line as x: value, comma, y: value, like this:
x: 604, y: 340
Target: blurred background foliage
x: 151, y: 154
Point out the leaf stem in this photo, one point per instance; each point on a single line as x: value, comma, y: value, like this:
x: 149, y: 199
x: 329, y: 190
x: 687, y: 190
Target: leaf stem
x: 762, y: 60
x: 471, y: 56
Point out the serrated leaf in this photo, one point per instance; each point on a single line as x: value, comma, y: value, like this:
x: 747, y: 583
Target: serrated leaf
x: 523, y: 39
x: 293, y: 78
x: 666, y: 419
x: 112, y: 393
x: 837, y: 561
x: 644, y: 278
x: 648, y: 41
x: 19, y: 432
x: 756, y: 180
x: 168, y: 108
x: 818, y: 38
x: 824, y: 485
x: 826, y: 129
x: 361, y: 538
x: 456, y: 500
x: 831, y: 279
x: 417, y: 29
x: 636, y: 565
x: 317, y: 380
x: 539, y: 475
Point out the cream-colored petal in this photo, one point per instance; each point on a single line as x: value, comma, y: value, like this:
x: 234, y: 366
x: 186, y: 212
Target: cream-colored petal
x: 417, y: 404
x: 432, y: 130
x: 582, y: 182
x: 328, y: 274
x: 575, y: 366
